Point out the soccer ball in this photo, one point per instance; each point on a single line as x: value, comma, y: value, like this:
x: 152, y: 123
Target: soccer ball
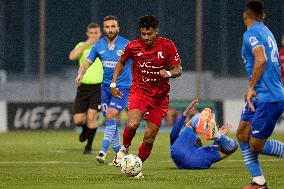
x: 131, y: 165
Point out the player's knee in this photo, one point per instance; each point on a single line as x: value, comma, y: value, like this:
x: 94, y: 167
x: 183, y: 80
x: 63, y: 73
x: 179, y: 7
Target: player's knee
x: 255, y: 149
x: 111, y: 115
x: 79, y: 120
x: 133, y: 125
x: 92, y: 117
x: 242, y: 136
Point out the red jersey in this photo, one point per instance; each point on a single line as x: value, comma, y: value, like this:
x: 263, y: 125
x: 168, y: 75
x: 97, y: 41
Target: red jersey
x: 281, y: 58
x: 147, y: 63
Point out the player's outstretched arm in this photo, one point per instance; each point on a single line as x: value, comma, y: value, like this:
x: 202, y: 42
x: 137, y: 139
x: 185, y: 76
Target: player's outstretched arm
x: 117, y: 70
x: 82, y: 70
x: 190, y: 107
x: 178, y: 125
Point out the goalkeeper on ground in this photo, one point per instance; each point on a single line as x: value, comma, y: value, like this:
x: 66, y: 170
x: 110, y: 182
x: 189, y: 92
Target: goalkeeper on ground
x: 186, y: 148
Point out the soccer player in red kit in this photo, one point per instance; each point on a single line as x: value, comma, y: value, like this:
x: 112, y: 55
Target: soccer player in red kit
x: 281, y: 58
x: 155, y: 60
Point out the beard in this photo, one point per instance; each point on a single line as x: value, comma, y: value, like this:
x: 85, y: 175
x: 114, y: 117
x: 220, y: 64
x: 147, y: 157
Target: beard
x: 112, y: 35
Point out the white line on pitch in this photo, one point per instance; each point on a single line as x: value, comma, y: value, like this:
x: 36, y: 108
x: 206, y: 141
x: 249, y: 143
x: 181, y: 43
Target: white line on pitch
x: 43, y: 162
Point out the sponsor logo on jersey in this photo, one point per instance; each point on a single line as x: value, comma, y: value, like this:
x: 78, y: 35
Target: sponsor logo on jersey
x: 109, y: 64
x: 253, y: 41
x: 144, y: 64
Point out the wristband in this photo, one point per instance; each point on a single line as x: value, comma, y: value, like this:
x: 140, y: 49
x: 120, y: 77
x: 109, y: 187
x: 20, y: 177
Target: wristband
x: 169, y: 73
x: 113, y: 85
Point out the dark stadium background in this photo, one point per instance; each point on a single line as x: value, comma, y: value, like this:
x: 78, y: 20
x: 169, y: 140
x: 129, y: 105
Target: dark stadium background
x: 66, y: 20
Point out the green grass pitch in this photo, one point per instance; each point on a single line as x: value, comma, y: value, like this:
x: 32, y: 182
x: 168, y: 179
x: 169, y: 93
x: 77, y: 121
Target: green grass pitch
x: 54, y: 160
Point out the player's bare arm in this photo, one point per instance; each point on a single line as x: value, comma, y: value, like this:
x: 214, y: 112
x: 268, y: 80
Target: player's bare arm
x: 82, y: 70
x: 259, y: 65
x: 190, y: 107
x: 76, y: 53
x: 117, y: 70
x: 174, y: 72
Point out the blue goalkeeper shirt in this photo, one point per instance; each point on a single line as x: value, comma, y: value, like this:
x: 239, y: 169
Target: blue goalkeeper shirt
x: 109, y: 57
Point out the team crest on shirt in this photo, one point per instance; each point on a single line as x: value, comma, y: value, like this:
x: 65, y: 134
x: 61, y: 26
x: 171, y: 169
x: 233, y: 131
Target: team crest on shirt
x: 119, y: 52
x: 253, y: 41
x: 160, y: 55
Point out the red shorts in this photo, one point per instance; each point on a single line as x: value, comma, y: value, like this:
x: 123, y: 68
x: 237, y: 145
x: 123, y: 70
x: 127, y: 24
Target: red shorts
x: 154, y: 109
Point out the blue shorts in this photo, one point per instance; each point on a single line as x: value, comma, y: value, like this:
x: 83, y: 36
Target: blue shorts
x: 247, y: 115
x: 108, y: 100
x: 187, y: 155
x: 264, y: 118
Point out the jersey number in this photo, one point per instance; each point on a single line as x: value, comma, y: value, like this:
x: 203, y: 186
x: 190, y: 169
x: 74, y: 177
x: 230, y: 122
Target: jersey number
x: 274, y: 51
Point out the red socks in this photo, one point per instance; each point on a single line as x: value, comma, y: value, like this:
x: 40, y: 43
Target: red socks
x: 128, y: 136
x: 144, y: 151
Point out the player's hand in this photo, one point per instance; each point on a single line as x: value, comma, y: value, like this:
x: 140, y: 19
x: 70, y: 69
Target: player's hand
x: 78, y: 79
x: 190, y: 107
x: 248, y: 96
x: 225, y: 129
x: 164, y: 73
x: 90, y: 41
x: 116, y: 93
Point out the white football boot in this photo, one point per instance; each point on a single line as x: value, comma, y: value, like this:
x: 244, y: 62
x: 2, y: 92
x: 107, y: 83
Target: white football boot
x: 139, y: 176
x: 118, y: 157
x: 101, y: 157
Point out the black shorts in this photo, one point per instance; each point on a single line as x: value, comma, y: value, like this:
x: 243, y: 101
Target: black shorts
x: 88, y: 97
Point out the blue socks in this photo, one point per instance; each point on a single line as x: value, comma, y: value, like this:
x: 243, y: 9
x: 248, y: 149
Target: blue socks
x: 108, y: 134
x: 251, y: 160
x: 115, y: 141
x: 226, y: 143
x: 273, y: 148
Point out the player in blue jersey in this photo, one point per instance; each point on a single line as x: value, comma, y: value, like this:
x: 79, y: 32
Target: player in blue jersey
x: 264, y: 96
x: 186, y: 150
x: 109, y: 49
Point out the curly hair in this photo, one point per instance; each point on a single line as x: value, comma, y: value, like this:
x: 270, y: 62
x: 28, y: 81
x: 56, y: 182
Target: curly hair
x: 148, y: 21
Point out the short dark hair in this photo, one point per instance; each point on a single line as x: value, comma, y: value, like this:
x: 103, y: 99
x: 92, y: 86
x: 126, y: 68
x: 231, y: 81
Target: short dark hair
x: 110, y: 17
x: 255, y: 8
x: 93, y: 25
x: 148, y: 21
